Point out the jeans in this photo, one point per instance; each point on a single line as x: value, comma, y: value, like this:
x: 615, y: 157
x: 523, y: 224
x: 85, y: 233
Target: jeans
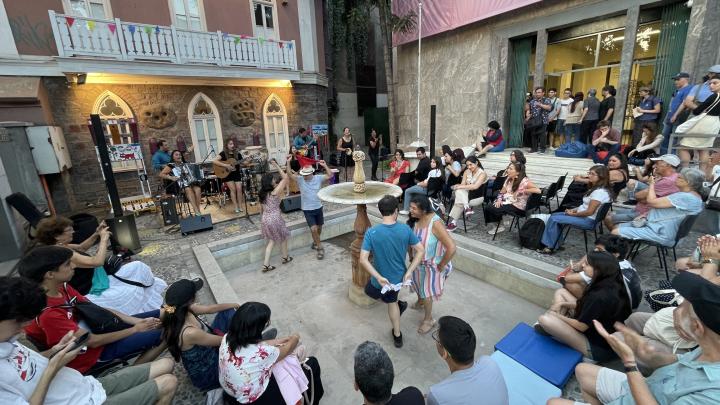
x: 410, y: 192
x: 553, y: 227
x: 572, y: 130
x: 135, y: 343
x: 373, y: 170
x: 668, y: 129
x: 587, y: 128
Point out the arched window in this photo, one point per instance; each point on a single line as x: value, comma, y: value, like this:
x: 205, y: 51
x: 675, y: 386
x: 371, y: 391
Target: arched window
x: 118, y: 122
x: 204, y: 126
x: 277, y: 139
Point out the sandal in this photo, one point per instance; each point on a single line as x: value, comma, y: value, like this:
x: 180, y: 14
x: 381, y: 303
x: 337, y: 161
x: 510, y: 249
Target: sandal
x: 417, y: 305
x: 424, y: 331
x: 265, y: 268
x: 545, y: 251
x: 320, y: 253
x: 286, y: 260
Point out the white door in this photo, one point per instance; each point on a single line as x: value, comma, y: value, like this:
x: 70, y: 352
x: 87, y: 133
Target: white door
x: 263, y: 15
x: 276, y: 138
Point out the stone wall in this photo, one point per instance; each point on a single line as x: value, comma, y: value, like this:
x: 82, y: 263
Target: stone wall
x: 72, y: 106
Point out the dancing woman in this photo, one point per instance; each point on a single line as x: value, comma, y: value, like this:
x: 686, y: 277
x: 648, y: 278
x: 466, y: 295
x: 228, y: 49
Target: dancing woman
x: 272, y: 224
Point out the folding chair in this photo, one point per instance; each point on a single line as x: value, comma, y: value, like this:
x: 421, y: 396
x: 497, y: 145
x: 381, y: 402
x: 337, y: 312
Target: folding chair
x: 533, y: 203
x: 596, y: 226
x: 662, y: 251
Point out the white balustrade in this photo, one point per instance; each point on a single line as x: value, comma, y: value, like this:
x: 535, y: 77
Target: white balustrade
x: 115, y: 39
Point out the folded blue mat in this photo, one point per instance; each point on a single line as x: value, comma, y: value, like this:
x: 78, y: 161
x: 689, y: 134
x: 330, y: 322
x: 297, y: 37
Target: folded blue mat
x: 543, y: 355
x: 527, y: 387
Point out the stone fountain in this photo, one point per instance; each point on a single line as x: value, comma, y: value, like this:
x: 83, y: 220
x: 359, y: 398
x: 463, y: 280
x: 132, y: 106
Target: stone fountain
x: 359, y: 193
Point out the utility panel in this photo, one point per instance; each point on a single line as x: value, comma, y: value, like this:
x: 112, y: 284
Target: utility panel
x: 49, y: 150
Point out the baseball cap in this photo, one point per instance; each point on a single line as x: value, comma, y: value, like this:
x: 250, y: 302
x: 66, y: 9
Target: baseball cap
x: 703, y: 295
x: 680, y: 75
x: 182, y: 291
x: 714, y: 69
x: 668, y: 158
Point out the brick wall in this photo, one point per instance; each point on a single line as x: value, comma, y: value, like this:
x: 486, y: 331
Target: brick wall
x: 72, y: 106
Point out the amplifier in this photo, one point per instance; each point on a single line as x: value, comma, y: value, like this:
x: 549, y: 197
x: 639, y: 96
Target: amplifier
x: 290, y: 203
x: 195, y: 224
x: 169, y: 211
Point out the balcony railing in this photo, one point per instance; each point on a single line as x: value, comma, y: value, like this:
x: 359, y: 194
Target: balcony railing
x: 115, y: 39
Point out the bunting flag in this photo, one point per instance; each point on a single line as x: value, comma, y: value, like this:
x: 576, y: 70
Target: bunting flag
x: 132, y: 28
x: 236, y: 40
x: 148, y: 29
x: 290, y: 45
x: 261, y: 40
x: 112, y: 27
x: 280, y: 44
x: 157, y: 29
x: 225, y: 35
x: 243, y: 36
x: 91, y: 25
x: 70, y: 21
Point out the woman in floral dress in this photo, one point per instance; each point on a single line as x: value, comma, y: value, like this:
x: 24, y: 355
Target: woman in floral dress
x: 273, y: 225
x: 428, y: 279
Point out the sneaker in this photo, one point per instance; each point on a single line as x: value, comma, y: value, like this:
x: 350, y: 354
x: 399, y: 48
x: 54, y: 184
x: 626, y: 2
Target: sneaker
x: 539, y: 329
x: 403, y: 306
x: 469, y: 211
x: 404, y: 212
x: 494, y: 232
x: 452, y: 226
x: 398, y: 340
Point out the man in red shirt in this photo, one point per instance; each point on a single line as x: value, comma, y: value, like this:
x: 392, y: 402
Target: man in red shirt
x: 50, y: 266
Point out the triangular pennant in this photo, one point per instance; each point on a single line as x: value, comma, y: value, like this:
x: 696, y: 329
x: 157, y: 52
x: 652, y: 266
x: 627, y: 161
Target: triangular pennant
x: 280, y: 44
x: 237, y: 39
x: 91, y: 25
x: 148, y: 29
x: 290, y: 45
x: 225, y: 35
x: 112, y: 27
x: 132, y: 28
x: 261, y: 40
x: 70, y: 21
x: 157, y: 29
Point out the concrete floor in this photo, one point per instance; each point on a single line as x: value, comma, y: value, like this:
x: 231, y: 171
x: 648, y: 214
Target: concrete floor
x: 310, y: 297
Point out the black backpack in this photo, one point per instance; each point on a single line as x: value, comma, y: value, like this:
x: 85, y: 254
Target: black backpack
x: 531, y: 233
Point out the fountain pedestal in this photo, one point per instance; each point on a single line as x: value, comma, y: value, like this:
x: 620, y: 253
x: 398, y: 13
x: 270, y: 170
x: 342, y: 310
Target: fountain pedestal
x: 360, y: 193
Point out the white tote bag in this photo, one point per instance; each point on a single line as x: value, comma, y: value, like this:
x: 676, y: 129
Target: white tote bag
x: 700, y: 124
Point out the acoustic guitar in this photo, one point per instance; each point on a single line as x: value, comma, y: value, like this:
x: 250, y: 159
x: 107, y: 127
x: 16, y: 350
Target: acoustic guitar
x: 221, y: 171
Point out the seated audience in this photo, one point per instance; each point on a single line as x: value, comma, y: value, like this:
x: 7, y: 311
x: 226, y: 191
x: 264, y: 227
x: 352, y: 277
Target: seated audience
x: 374, y: 375
x: 132, y: 289
x: 648, y: 146
x: 513, y: 196
x: 29, y: 377
x: 689, y: 378
x: 191, y: 339
x: 398, y: 166
x: 422, y: 187
x: 491, y: 140
x: 639, y: 183
x: 583, y: 216
x: 618, y: 170
x: 470, y: 379
x: 705, y: 260
x: 472, y: 179
x: 252, y: 370
x: 666, y: 213
x: 664, y: 177
x: 51, y: 267
x: 575, y: 280
x: 423, y: 166
x: 605, y: 142
x: 453, y: 172
x: 605, y: 299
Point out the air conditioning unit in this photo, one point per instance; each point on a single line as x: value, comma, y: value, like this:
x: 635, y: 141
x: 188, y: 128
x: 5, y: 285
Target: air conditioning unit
x: 48, y: 148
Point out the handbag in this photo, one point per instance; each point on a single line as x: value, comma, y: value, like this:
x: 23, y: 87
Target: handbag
x: 700, y: 124
x: 713, y: 200
x: 660, y: 327
x: 663, y: 297
x: 534, y: 121
x: 98, y: 319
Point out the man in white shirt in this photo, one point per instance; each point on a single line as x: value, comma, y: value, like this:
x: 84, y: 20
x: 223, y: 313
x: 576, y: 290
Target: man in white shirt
x: 29, y: 377
x: 565, y: 101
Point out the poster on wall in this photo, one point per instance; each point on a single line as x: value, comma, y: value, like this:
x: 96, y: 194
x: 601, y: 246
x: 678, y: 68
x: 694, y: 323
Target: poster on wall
x: 321, y: 131
x: 124, y: 152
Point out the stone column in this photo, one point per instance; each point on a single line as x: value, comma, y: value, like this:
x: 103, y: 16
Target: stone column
x: 626, y: 61
x: 540, y: 52
x: 702, y: 48
x: 497, y: 80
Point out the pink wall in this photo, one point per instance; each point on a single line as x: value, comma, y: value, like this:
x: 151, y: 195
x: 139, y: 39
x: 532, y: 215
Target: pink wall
x: 320, y: 33
x: 289, y: 26
x: 142, y: 11
x: 30, y: 25
x: 231, y: 16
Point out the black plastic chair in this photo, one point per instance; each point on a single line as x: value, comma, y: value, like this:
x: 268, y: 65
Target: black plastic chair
x: 473, y: 194
x: 549, y: 193
x: 662, y: 251
x: 597, y: 225
x: 560, y: 185
x: 494, y: 190
x: 533, y: 204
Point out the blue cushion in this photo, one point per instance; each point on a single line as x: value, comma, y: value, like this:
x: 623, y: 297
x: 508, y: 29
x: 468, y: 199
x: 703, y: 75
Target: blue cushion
x: 543, y: 355
x: 575, y: 149
x: 524, y: 386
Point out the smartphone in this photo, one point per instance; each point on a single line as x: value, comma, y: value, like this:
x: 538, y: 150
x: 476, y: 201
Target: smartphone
x: 79, y: 342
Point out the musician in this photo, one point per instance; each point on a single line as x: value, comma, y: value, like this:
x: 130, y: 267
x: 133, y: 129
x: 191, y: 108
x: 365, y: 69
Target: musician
x: 345, y: 148
x: 303, y: 140
x: 229, y: 158
x: 161, y: 156
x: 177, y: 176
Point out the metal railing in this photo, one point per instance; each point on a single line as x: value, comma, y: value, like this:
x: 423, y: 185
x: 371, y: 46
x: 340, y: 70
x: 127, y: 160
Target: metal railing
x: 126, y: 41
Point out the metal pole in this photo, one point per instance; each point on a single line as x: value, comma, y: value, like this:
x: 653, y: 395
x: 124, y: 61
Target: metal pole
x: 420, y: 5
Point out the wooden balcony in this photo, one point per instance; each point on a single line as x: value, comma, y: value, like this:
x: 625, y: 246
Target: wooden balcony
x: 126, y: 41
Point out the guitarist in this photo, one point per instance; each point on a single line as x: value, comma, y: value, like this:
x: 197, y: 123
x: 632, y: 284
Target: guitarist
x: 229, y: 160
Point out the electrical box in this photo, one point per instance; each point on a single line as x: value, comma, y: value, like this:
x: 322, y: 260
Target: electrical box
x: 49, y: 150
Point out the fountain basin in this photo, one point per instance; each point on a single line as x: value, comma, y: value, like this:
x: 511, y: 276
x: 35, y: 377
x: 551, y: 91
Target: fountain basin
x: 343, y: 193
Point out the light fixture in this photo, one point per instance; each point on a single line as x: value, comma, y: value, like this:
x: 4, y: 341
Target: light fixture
x: 75, y: 78
x: 284, y: 2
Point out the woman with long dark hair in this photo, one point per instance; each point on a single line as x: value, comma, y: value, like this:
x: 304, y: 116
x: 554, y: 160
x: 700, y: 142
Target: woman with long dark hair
x: 374, y: 145
x: 233, y: 181
x: 247, y: 361
x: 649, y: 145
x: 398, y: 166
x: 574, y: 117
x: 429, y: 277
x: 513, y: 196
x: 272, y: 224
x: 174, y: 174
x: 598, y: 194
x: 188, y: 337
x: 605, y: 299
x: 344, y: 148
x: 473, y: 178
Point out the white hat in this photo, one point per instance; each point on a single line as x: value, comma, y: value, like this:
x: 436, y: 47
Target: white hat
x: 670, y: 159
x: 307, y: 170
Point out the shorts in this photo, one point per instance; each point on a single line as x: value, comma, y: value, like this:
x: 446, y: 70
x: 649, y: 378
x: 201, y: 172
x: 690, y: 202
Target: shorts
x: 314, y: 217
x: 624, y: 215
x: 130, y: 385
x: 376, y: 294
x: 609, y: 385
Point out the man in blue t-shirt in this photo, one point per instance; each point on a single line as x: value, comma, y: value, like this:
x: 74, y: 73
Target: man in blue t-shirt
x: 675, y: 115
x: 161, y: 157
x: 309, y: 185
x: 389, y: 242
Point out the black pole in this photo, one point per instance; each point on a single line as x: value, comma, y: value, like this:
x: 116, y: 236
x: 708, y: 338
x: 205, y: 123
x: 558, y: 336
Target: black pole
x: 432, y: 130
x: 105, y: 164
